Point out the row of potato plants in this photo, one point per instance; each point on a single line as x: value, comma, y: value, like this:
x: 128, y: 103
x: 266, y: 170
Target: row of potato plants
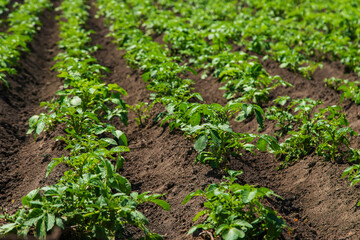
x: 187, y: 41
x: 327, y: 133
x: 23, y: 22
x: 244, y: 77
x: 291, y: 33
x: 233, y: 211
x: 91, y: 197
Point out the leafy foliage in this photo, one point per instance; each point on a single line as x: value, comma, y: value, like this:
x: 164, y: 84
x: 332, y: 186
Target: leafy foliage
x: 97, y: 203
x: 23, y: 24
x: 289, y: 112
x: 349, y: 90
x: 235, y: 211
x: 91, y: 197
x: 326, y: 134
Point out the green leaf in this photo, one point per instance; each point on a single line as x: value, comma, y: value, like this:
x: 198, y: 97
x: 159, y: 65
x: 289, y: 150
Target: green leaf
x: 76, y: 101
x: 199, y: 214
x: 242, y: 223
x: 51, y: 166
x: 138, y: 217
x: 191, y: 70
x: 59, y: 223
x: 33, y: 120
x: 201, y: 143
x: 195, y: 119
x: 146, y: 76
x: 198, y: 192
x: 109, y: 141
x: 225, y: 127
x: 120, y: 149
x: 165, y: 205
x: 8, y: 228
x: 194, y: 228
x: 215, y: 137
x: 233, y: 234
x: 115, y: 87
x: 248, y: 195
x: 124, y: 184
x: 50, y: 221
x: 259, y: 117
x: 40, y: 127
x: 36, y: 212
x: 221, y: 228
x: 41, y: 229
x: 120, y: 135
x: 119, y: 163
x: 262, y: 145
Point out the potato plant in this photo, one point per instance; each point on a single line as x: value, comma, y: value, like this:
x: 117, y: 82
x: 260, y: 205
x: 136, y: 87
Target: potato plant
x: 289, y: 112
x: 98, y: 204
x: 326, y: 134
x: 350, y: 90
x: 235, y: 211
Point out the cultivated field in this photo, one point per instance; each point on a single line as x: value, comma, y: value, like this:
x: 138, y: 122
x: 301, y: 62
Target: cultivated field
x: 128, y: 119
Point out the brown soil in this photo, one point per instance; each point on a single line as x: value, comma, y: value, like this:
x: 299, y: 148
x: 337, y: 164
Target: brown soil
x: 317, y: 203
